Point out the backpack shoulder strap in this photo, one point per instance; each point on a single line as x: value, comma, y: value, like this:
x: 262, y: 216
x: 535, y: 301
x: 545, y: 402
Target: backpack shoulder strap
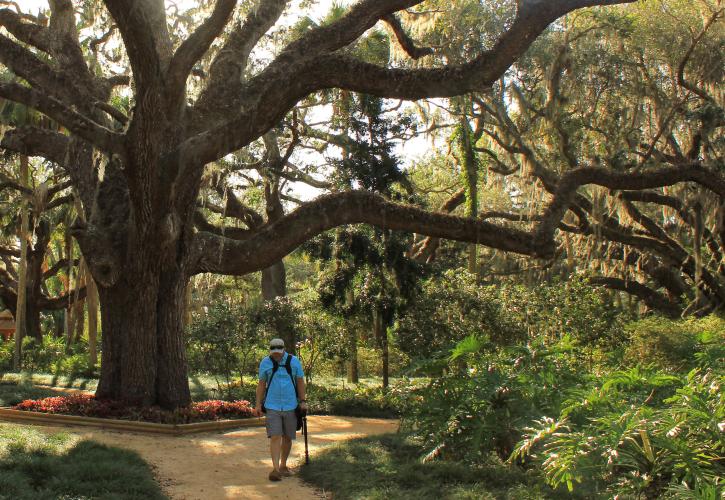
x: 275, y: 367
x: 288, y: 367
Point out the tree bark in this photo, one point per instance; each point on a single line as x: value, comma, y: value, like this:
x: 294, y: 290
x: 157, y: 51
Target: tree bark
x: 92, y: 300
x: 353, y: 373
x: 143, y: 357
x: 20, y: 328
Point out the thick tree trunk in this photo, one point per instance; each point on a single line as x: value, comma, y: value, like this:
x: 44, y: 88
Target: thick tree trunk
x: 274, y: 282
x: 143, y: 358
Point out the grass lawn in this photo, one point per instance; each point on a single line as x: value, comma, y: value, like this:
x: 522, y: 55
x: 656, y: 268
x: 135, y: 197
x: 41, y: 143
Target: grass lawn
x: 36, y: 466
x: 12, y: 393
x: 388, y: 467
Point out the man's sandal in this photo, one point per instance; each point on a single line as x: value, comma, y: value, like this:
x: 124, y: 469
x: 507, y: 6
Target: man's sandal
x: 275, y: 476
x: 285, y: 472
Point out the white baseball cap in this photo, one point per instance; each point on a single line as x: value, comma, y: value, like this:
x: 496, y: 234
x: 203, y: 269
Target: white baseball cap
x: 276, y: 345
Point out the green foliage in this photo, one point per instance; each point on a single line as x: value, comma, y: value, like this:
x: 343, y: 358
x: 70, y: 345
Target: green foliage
x: 6, y: 355
x: 625, y: 429
x: 676, y: 345
x: 454, y: 305
x: 225, y: 342
x: 49, y: 356
x: 488, y: 396
x: 621, y: 442
x: 369, y: 160
x: 451, y: 307
x: 357, y: 400
x: 34, y: 465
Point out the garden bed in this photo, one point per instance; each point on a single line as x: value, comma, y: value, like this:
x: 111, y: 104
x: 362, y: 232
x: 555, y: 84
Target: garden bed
x: 86, y: 410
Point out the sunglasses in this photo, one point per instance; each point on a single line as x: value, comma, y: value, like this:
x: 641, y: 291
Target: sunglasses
x: 273, y: 347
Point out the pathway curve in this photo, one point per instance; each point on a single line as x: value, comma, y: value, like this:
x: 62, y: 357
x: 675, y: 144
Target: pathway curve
x: 234, y: 464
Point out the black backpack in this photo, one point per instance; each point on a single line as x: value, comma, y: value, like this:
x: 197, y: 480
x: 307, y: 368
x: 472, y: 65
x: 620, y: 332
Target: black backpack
x: 288, y: 367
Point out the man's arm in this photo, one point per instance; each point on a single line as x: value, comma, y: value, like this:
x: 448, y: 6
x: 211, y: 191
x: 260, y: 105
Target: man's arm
x: 261, y: 386
x: 301, y: 393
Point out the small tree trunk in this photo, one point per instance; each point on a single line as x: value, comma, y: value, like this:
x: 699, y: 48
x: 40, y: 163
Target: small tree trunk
x: 20, y: 312
x: 69, y: 308
x: 353, y: 374
x: 470, y: 172
x: 79, y: 307
x: 382, y: 337
x: 79, y: 320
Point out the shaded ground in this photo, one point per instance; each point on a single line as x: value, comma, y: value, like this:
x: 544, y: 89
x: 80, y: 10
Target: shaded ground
x: 231, y: 465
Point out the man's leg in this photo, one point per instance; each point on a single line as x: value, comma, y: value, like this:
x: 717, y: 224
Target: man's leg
x: 275, y: 446
x: 286, y: 447
x: 289, y: 423
x: 275, y: 430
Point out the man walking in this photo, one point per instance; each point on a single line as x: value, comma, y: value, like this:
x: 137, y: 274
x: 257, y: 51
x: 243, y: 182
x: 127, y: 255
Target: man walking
x: 279, y: 374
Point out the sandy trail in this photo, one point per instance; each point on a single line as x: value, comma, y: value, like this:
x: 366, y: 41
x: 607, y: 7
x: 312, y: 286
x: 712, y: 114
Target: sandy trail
x: 234, y: 464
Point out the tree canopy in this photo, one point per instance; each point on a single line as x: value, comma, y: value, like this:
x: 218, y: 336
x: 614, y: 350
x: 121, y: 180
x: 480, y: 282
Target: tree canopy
x: 146, y: 97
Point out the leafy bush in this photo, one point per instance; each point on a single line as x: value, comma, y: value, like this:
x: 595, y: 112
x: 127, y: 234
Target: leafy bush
x: 6, y: 355
x: 451, y: 307
x: 676, y: 345
x: 488, y: 397
x: 621, y: 439
x: 454, y: 306
x: 225, y: 343
x: 359, y: 401
x: 49, y: 356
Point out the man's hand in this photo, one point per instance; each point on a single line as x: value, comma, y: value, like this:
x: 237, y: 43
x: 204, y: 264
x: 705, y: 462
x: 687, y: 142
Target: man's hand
x: 258, y: 410
x: 303, y: 407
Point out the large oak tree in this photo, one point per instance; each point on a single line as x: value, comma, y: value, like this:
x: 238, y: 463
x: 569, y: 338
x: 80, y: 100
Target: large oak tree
x: 138, y: 175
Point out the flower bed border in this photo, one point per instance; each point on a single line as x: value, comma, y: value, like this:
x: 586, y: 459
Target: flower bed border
x: 33, y: 417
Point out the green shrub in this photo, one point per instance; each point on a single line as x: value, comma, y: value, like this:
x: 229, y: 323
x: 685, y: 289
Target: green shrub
x: 640, y: 433
x: 676, y: 345
x: 7, y: 348
x: 49, y: 356
x: 224, y: 343
x: 488, y: 397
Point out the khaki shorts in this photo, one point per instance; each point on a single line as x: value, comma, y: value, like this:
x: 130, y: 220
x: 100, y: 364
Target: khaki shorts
x: 281, y: 423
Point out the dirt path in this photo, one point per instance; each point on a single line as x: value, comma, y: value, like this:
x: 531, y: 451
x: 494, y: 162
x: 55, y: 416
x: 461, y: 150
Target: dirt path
x: 231, y: 465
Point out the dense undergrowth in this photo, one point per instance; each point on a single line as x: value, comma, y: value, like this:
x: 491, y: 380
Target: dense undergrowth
x: 646, y: 420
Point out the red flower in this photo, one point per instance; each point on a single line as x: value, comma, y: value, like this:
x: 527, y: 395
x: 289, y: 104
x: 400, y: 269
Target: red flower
x: 88, y: 406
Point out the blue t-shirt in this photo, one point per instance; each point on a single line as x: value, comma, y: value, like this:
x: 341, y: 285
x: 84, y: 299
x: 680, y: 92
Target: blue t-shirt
x: 281, y: 395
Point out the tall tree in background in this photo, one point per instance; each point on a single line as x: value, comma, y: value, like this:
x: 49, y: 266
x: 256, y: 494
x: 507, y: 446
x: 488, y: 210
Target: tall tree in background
x: 39, y: 208
x: 138, y: 233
